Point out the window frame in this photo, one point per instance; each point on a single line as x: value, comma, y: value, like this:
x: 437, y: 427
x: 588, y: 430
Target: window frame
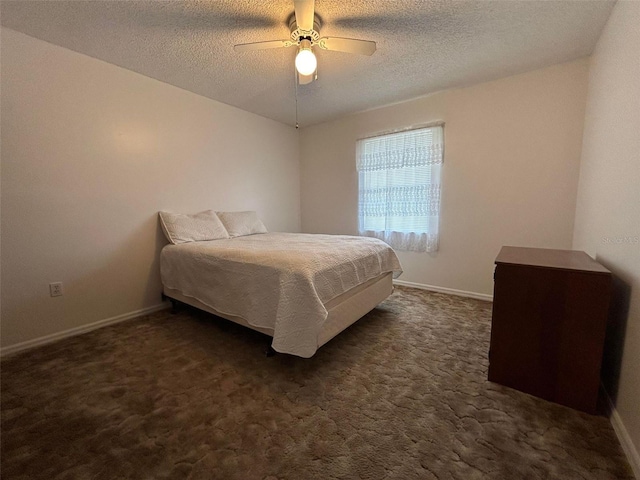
x: 426, y: 237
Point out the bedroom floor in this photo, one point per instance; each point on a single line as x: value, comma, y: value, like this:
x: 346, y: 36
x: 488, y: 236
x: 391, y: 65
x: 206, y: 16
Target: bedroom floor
x: 402, y: 394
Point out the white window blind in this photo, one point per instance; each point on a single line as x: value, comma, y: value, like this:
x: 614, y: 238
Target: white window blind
x: 399, y: 188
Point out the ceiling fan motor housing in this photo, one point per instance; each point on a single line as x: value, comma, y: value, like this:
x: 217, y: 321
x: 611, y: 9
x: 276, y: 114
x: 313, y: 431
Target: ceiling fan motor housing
x: 298, y: 34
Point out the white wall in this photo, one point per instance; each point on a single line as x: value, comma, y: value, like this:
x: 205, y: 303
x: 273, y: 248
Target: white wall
x: 90, y: 153
x: 512, y: 151
x: 608, y: 209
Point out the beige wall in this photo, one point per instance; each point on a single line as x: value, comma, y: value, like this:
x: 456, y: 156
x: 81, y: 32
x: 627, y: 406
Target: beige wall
x: 512, y: 151
x: 608, y: 208
x: 90, y: 153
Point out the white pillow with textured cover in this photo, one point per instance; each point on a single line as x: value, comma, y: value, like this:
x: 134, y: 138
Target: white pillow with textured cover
x: 183, y: 228
x: 239, y: 224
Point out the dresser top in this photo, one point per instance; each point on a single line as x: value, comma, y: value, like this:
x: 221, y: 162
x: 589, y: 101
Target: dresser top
x: 548, y: 258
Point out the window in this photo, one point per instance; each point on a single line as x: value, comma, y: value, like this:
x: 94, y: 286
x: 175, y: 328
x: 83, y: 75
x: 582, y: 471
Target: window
x: 399, y: 188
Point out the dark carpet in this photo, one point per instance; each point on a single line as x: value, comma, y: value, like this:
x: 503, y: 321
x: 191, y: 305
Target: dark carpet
x: 402, y: 394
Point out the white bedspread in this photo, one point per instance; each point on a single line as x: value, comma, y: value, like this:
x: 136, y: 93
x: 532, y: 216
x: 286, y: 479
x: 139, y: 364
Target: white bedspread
x: 279, y: 281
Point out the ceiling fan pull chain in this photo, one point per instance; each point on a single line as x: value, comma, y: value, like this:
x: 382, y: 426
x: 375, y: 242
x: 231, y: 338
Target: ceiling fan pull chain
x: 295, y: 83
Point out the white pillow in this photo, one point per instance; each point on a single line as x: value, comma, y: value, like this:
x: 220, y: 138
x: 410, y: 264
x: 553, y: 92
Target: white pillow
x: 181, y: 228
x: 239, y: 224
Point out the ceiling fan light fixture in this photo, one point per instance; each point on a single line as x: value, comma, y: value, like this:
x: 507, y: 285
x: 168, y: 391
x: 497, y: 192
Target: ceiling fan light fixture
x: 306, y: 62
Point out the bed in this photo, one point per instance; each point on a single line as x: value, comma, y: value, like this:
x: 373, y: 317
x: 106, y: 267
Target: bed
x: 300, y: 289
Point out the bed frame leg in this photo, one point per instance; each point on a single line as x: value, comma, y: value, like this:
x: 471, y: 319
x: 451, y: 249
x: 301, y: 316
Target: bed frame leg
x: 270, y: 352
x: 175, y: 304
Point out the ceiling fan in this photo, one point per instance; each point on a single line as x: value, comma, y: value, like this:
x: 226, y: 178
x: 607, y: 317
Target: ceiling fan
x: 305, y: 28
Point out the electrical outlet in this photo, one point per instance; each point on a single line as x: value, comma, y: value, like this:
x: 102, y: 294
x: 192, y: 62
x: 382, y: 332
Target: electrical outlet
x: 55, y: 289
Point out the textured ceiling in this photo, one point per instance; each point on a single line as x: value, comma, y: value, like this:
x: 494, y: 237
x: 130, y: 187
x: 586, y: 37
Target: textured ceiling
x: 423, y: 45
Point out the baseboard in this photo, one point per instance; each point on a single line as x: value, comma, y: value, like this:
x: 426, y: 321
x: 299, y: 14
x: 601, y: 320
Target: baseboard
x: 72, y: 332
x: 623, y: 437
x: 451, y: 291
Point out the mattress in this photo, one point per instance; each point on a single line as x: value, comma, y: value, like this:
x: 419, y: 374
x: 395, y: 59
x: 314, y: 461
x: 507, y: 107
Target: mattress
x: 277, y: 282
x: 342, y: 312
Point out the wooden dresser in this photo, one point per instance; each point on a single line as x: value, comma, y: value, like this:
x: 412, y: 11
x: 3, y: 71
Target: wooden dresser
x: 550, y: 311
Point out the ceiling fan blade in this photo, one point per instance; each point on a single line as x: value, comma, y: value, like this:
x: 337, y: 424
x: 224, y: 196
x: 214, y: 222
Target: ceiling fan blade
x: 246, y: 47
x: 304, y: 14
x: 349, y: 45
x: 305, y: 79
